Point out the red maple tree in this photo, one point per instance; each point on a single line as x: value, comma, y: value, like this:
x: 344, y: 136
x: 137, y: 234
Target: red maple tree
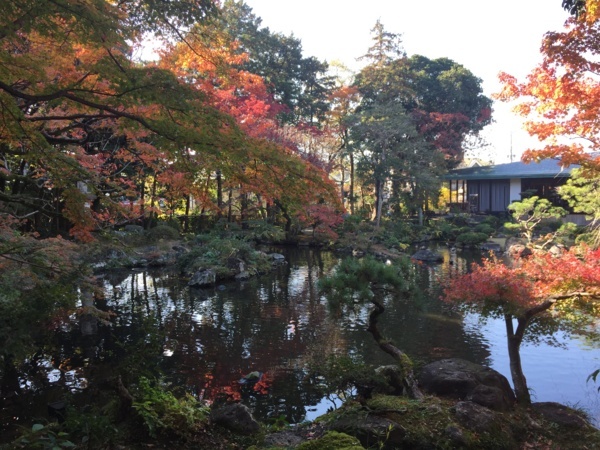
x: 542, y: 289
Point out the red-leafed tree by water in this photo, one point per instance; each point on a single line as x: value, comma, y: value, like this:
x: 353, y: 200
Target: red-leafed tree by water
x: 539, y: 295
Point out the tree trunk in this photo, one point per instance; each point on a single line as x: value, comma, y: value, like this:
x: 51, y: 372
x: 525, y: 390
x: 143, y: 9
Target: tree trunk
x: 351, y: 184
x: 152, y: 214
x: 288, y: 219
x: 408, y: 378
x: 379, y: 204
x: 230, y: 206
x: 514, y: 356
x: 244, y: 206
x: 219, y: 193
x: 143, y: 200
x: 186, y: 221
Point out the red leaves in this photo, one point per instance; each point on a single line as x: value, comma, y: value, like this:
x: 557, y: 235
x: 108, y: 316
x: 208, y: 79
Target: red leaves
x: 530, y: 282
x: 493, y: 284
x: 561, y: 97
x: 323, y: 219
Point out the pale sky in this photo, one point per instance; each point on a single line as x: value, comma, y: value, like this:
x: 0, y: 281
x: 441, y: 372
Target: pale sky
x: 485, y: 36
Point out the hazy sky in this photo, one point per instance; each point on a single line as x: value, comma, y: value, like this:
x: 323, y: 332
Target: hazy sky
x: 484, y: 36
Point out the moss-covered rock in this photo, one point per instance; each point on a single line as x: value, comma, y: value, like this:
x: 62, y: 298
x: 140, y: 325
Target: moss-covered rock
x: 332, y: 441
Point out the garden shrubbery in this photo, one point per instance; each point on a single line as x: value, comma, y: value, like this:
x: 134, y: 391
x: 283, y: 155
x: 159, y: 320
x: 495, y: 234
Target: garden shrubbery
x: 471, y: 239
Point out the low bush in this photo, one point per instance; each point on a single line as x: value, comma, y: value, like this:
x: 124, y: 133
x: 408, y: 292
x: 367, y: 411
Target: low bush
x: 484, y: 228
x: 471, y: 239
x: 162, y: 412
x: 162, y: 232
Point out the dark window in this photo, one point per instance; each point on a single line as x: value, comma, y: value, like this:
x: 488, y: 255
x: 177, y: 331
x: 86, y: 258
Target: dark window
x: 545, y: 188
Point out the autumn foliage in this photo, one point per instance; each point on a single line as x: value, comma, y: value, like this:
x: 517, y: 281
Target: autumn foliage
x: 87, y: 130
x: 560, y: 97
x: 534, y: 282
x: 563, y: 290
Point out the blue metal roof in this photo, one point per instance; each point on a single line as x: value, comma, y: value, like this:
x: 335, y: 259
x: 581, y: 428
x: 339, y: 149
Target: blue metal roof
x: 546, y: 168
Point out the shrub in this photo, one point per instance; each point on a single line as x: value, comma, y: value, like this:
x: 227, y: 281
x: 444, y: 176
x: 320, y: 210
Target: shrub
x: 345, y: 375
x: 162, y: 232
x: 471, y: 239
x: 459, y: 220
x: 444, y: 230
x: 351, y: 223
x: 590, y: 239
x: 262, y: 231
x: 161, y: 411
x: 484, y: 228
x: 492, y: 221
x: 216, y: 252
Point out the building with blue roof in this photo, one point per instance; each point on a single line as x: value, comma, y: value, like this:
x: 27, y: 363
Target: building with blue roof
x: 490, y: 189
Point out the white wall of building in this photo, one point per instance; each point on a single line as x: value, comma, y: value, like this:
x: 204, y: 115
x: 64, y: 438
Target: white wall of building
x: 515, y: 190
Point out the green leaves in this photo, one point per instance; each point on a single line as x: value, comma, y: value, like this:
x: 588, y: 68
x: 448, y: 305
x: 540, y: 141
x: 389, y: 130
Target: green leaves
x: 357, y: 279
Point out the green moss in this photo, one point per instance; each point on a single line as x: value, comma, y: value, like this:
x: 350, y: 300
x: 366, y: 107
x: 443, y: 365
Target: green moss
x: 332, y: 441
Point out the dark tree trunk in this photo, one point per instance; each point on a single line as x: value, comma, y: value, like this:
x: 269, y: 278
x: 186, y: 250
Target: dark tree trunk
x: 351, y: 194
x: 186, y: 219
x: 152, y: 214
x: 408, y: 378
x: 143, y: 200
x: 219, y: 193
x: 514, y: 355
x: 244, y: 206
x: 288, y: 223
x: 230, y: 206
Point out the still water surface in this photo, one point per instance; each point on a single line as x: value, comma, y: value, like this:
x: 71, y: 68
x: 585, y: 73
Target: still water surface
x: 276, y: 323
x: 205, y: 341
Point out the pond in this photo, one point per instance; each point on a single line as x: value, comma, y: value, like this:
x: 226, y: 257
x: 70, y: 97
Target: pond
x: 207, y: 341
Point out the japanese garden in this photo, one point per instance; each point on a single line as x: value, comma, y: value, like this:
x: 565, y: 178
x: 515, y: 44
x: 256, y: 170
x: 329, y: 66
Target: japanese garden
x: 209, y: 239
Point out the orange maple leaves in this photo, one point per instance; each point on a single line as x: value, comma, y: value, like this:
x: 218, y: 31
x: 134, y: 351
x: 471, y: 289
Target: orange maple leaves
x: 531, y: 282
x: 561, y: 97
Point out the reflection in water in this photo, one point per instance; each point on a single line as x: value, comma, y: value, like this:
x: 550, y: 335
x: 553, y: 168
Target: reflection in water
x: 204, y: 341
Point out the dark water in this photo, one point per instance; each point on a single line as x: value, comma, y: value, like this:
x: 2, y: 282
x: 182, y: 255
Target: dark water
x: 204, y: 341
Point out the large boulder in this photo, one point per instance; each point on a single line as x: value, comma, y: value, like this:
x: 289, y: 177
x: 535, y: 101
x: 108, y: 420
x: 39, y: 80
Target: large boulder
x: 424, y: 254
x: 372, y: 430
x: 491, y: 247
x: 464, y: 380
x: 205, y: 277
x: 277, y: 258
x: 561, y: 415
x: 517, y: 247
x: 285, y: 439
x: 235, y: 417
x: 474, y: 417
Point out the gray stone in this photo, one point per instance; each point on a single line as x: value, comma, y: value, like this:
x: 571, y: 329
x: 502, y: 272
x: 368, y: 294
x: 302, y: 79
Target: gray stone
x: 474, y: 417
x: 242, y: 276
x: 372, y: 430
x: 134, y: 229
x: 201, y: 278
x: 561, y: 415
x: 116, y: 254
x: 491, y: 247
x: 277, y: 258
x: 516, y: 247
x: 425, y: 254
x: 456, y: 435
x: 285, y: 439
x: 491, y: 397
x: 235, y: 417
x: 460, y: 379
